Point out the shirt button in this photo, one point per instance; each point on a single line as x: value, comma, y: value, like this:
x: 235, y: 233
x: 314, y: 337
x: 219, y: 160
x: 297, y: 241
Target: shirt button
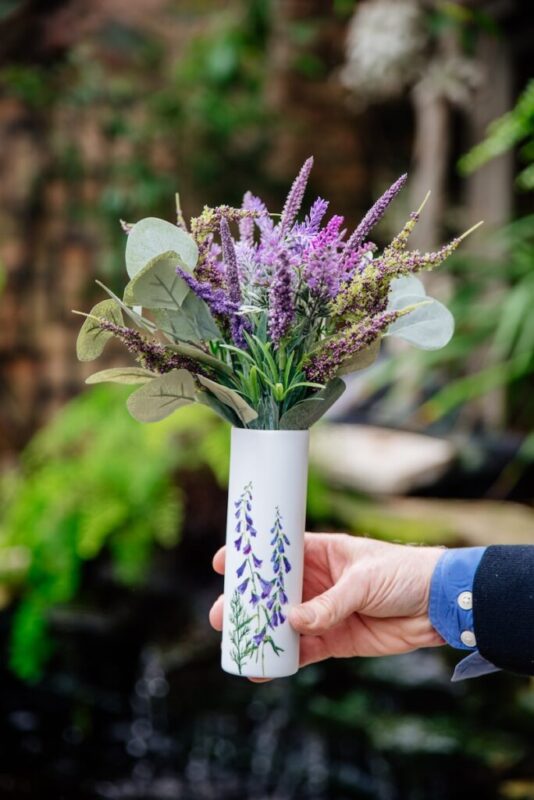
x: 465, y: 601
x: 468, y: 638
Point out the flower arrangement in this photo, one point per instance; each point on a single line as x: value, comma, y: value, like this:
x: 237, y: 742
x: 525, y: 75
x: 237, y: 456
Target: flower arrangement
x: 261, y: 327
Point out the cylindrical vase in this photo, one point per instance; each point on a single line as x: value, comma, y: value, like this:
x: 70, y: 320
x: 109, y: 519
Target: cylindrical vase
x: 264, y: 551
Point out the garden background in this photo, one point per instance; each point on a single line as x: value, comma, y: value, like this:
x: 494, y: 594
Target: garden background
x: 110, y: 683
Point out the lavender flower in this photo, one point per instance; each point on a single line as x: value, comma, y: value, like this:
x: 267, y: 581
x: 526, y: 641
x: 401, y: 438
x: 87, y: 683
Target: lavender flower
x: 238, y: 323
x: 295, y: 197
x: 242, y: 586
x: 281, y: 308
x: 216, y: 299
x: 323, y: 365
x: 374, y: 215
x: 151, y: 355
x: 323, y: 268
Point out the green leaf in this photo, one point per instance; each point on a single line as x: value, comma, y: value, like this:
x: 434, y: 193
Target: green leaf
x: 190, y: 323
x: 197, y: 354
x: 159, y: 398
x: 157, y: 285
x: 92, y: 338
x: 429, y: 326
x: 230, y: 398
x: 360, y: 360
x: 152, y: 237
x: 221, y: 409
x: 306, y: 413
x: 128, y: 375
x: 136, y: 318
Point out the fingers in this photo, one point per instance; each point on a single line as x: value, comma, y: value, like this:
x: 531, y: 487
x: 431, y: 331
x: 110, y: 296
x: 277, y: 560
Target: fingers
x: 323, y: 612
x: 216, y: 613
x: 218, y: 560
x: 312, y: 650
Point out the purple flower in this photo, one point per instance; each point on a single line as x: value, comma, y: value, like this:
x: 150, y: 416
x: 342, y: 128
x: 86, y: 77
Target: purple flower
x: 238, y: 323
x: 259, y: 637
x: 283, y: 597
x: 216, y: 299
x: 247, y: 548
x: 323, y: 269
x: 374, y: 215
x: 270, y: 603
x: 242, y: 586
x: 240, y: 570
x: 295, y: 197
x: 287, y: 565
x: 254, y: 599
x: 276, y: 566
x: 257, y: 561
x: 237, y: 543
x: 281, y: 617
x: 266, y: 587
x: 281, y: 309
x: 311, y: 224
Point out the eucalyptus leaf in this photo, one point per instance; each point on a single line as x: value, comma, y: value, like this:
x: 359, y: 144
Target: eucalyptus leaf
x: 160, y: 397
x: 197, y: 354
x: 230, y: 398
x: 92, y: 338
x: 303, y: 415
x: 406, y: 284
x: 152, y: 237
x: 136, y: 318
x: 223, y: 410
x: 429, y: 326
x: 127, y: 375
x: 360, y: 360
x: 190, y: 323
x: 157, y: 285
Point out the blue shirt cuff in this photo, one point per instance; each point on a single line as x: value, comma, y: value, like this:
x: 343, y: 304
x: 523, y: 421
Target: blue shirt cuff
x: 451, y: 596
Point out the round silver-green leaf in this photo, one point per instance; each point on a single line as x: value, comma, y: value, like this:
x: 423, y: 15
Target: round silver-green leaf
x: 151, y: 237
x: 92, y: 338
x: 126, y: 375
x: 162, y: 396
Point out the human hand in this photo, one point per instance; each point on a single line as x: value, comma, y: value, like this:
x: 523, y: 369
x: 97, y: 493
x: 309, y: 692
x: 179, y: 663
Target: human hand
x: 361, y: 597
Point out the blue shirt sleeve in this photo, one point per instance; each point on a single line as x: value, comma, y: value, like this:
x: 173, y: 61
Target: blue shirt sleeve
x: 451, y: 607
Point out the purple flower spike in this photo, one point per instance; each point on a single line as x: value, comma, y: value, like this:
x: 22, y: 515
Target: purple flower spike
x: 242, y: 586
x: 374, y: 215
x: 216, y: 299
x: 295, y: 197
x: 281, y: 307
x: 240, y: 570
x: 259, y: 637
x: 266, y: 587
x: 257, y: 561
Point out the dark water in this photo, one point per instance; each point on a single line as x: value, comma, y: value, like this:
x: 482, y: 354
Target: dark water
x: 115, y: 717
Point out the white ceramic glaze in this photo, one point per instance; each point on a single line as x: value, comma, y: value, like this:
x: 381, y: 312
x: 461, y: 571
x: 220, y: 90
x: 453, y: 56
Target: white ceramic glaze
x: 264, y: 551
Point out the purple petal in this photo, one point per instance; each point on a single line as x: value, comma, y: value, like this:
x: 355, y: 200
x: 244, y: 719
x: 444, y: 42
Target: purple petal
x: 287, y: 565
x: 254, y: 599
x: 247, y: 548
x: 237, y: 543
x: 242, y: 586
x: 257, y: 561
x: 240, y: 570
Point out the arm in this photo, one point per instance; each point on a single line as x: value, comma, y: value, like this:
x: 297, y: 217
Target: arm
x: 368, y: 598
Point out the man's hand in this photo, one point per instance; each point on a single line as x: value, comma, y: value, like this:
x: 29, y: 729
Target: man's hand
x: 362, y: 597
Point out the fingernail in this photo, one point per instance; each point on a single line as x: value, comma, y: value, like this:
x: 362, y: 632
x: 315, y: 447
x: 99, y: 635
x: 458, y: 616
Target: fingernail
x: 306, y: 615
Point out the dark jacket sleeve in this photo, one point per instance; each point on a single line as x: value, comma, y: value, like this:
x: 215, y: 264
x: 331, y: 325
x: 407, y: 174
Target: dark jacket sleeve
x: 503, y: 607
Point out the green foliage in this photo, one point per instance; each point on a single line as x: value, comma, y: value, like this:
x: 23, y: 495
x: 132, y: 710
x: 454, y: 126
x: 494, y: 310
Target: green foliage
x: 509, y: 131
x: 94, y: 481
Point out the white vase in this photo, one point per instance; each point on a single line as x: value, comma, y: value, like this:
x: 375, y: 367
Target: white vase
x: 264, y: 551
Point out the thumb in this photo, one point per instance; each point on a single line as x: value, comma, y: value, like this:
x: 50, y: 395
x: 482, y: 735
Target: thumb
x: 323, y: 612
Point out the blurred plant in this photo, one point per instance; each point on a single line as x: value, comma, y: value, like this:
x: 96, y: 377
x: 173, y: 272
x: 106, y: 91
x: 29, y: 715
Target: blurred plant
x: 492, y: 307
x: 93, y: 481
x: 514, y: 129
